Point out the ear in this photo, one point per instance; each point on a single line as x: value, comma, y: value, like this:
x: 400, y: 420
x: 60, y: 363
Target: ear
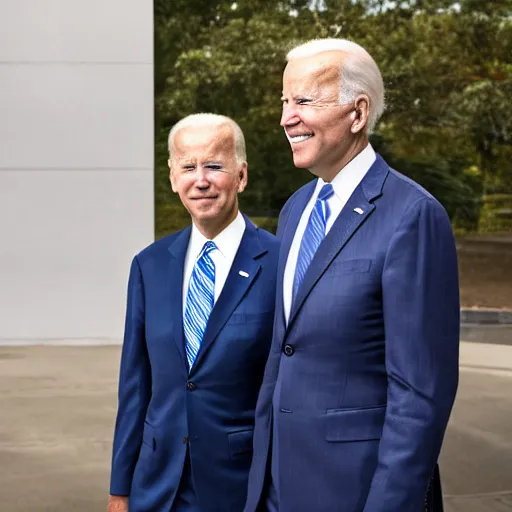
x: 362, y: 110
x: 172, y: 177
x: 242, y: 176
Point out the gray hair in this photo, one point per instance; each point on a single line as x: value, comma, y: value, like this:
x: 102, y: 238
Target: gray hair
x: 359, y: 73
x: 213, y: 120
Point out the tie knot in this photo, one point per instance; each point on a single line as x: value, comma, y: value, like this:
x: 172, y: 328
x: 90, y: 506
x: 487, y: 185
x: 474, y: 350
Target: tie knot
x: 208, y: 247
x: 326, y: 192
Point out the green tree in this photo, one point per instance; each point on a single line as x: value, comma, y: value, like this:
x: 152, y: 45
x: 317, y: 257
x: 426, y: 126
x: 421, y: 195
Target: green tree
x: 446, y: 66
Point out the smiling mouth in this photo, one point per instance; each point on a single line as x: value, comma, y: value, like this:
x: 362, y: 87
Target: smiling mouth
x: 299, y: 138
x: 210, y: 198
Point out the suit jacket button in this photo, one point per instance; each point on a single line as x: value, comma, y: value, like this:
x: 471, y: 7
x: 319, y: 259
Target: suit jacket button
x: 185, y: 440
x: 191, y: 386
x: 289, y: 350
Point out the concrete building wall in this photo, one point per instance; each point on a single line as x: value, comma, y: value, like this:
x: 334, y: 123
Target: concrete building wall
x: 76, y: 164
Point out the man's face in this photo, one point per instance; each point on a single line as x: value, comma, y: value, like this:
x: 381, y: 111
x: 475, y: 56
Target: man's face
x: 317, y: 126
x: 206, y: 175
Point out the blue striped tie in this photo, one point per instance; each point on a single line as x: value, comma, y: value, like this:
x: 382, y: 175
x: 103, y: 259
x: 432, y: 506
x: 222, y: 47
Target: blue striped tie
x: 200, y: 299
x: 313, y: 235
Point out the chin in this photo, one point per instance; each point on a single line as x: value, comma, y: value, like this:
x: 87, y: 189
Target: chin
x: 302, y: 163
x: 303, y: 160
x: 206, y: 216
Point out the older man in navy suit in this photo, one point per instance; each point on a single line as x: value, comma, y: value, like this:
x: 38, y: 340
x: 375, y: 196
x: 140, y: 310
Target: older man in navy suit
x: 198, y: 331
x: 363, y: 368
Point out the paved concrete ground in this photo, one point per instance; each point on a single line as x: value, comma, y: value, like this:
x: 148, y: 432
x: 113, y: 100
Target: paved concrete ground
x: 476, y: 461
x: 498, y: 334
x: 57, y: 407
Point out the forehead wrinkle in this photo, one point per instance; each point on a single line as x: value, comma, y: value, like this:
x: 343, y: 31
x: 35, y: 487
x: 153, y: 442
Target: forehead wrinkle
x: 325, y: 80
x: 316, y: 78
x: 327, y: 75
x: 302, y: 88
x: 209, y: 140
x: 218, y: 150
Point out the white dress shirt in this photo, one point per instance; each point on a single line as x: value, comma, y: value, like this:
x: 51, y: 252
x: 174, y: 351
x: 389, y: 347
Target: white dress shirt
x: 227, y: 242
x: 344, y: 184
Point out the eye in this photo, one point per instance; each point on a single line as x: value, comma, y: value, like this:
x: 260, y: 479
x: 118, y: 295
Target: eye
x: 187, y: 168
x: 302, y: 101
x: 214, y: 167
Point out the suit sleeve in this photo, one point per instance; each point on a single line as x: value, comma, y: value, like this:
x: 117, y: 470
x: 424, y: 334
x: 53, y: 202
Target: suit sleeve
x: 134, y: 388
x: 421, y: 316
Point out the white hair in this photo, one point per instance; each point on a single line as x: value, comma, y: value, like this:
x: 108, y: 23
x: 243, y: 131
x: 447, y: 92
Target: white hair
x: 359, y: 72
x: 213, y: 120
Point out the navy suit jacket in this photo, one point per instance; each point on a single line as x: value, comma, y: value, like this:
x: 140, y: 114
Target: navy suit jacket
x: 162, y: 408
x: 361, y: 382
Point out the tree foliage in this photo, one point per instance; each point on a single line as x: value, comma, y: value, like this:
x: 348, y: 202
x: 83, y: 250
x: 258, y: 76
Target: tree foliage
x: 447, y: 68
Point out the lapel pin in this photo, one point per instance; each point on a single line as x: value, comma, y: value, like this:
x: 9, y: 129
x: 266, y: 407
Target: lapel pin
x: 243, y: 273
x: 359, y: 210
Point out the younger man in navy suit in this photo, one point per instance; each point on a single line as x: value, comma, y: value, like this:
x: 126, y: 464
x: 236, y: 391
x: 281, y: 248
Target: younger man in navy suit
x: 197, y: 335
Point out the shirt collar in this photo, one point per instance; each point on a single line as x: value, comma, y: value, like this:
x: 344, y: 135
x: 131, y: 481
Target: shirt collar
x: 227, y: 240
x: 351, y: 175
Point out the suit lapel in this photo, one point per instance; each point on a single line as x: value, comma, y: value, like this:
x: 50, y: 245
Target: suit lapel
x: 286, y: 241
x: 235, y: 287
x: 178, y: 250
x: 358, y: 208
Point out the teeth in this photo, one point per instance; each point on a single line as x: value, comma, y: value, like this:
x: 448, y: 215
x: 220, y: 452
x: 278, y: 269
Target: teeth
x: 299, y: 138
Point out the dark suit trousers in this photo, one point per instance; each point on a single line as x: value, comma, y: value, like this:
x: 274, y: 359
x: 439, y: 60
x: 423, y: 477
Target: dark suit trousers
x: 271, y: 480
x: 186, y: 497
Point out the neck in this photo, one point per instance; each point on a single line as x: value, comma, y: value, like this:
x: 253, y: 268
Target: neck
x: 356, y: 146
x: 211, y: 228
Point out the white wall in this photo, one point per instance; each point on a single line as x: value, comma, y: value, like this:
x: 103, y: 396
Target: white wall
x: 76, y: 164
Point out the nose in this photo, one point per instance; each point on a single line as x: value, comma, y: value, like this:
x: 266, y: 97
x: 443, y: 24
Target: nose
x: 202, y: 179
x: 289, y: 117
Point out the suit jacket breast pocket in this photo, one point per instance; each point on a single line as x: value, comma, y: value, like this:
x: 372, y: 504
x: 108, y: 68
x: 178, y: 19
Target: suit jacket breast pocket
x: 348, y: 425
x: 240, y: 442
x: 351, y: 266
